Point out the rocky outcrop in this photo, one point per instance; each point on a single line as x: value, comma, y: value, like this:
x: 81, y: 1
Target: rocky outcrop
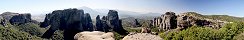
x: 141, y: 36
x: 69, y: 20
x: 105, y: 25
x: 20, y: 19
x: 185, y: 20
x: 145, y: 30
x: 170, y: 21
x: 73, y: 21
x: 95, y: 35
x: 114, y: 22
x: 3, y: 22
x: 99, y: 25
x: 8, y: 15
x: 111, y: 22
x: 16, y: 18
x: 135, y: 23
x: 87, y: 26
x: 157, y: 21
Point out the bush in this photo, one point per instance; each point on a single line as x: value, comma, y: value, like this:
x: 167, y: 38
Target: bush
x: 58, y: 35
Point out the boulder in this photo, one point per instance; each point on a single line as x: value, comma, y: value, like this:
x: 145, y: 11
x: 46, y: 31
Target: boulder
x: 145, y: 30
x: 3, y: 22
x: 142, y: 36
x: 95, y: 35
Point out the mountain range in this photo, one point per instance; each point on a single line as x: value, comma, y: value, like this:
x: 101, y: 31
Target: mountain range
x: 103, y: 12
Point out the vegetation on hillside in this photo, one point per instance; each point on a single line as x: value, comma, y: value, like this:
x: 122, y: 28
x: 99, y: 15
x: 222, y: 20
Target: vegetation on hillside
x: 11, y: 33
x: 216, y: 17
x: 27, y: 31
x: 228, y: 32
x: 32, y: 29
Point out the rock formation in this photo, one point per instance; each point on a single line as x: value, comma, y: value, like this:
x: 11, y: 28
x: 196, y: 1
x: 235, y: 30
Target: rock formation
x: 16, y: 18
x: 20, y: 19
x: 8, y: 15
x: 184, y: 21
x: 114, y: 22
x: 3, y: 22
x: 95, y: 35
x: 105, y: 25
x: 111, y: 22
x: 135, y: 23
x: 73, y: 21
x: 157, y: 21
x: 168, y: 21
x: 69, y: 20
x: 145, y: 30
x: 142, y: 36
x: 99, y: 25
x: 88, y: 26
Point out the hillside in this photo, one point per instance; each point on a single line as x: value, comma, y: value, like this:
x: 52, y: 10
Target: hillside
x: 31, y: 30
x: 216, y: 17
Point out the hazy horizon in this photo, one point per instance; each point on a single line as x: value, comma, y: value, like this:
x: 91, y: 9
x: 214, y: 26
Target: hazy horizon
x: 207, y: 7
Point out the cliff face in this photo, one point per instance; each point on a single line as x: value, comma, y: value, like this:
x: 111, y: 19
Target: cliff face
x: 16, y: 18
x: 20, y: 19
x: 73, y: 21
x: 114, y: 22
x: 170, y: 21
x: 111, y: 22
x: 8, y: 15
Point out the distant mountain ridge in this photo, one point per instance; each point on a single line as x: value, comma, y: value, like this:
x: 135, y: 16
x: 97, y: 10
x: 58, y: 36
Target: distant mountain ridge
x: 103, y: 12
x: 122, y: 13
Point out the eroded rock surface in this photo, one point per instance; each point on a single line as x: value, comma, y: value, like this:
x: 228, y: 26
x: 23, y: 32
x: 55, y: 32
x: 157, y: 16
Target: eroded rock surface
x: 170, y: 21
x: 20, y: 19
x: 16, y: 18
x: 74, y: 20
x: 141, y: 36
x: 111, y: 22
x: 95, y: 35
x: 69, y: 20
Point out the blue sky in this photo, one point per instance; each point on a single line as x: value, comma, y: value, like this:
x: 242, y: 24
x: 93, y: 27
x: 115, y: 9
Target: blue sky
x: 222, y: 7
